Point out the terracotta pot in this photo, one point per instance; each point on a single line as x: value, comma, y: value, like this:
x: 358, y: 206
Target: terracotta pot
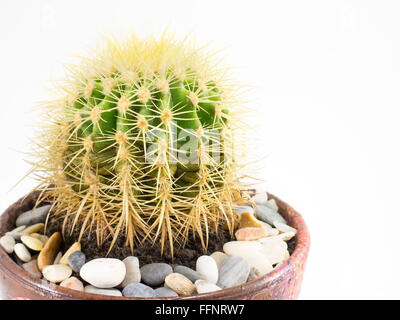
x: 283, y: 282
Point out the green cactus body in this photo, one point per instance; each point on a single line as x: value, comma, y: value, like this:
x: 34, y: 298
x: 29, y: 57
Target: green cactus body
x: 140, y: 146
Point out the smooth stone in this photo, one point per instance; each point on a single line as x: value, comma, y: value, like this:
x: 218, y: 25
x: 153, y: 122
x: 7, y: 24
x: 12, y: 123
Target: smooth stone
x: 254, y: 274
x: 252, y: 252
x: 275, y: 249
x: 268, y: 215
x: 272, y: 204
x: 188, y: 273
x: 16, y: 233
x: 40, y: 237
x: 248, y: 220
x: 76, y: 260
x: 239, y: 210
x: 250, y: 234
x: 204, y: 286
x: 7, y: 242
x: 32, y: 243
x: 138, y: 290
x: 208, y: 268
x: 22, y: 252
x: 58, y: 258
x: 154, y: 273
x: 35, y: 228
x: 48, y: 254
x: 32, y: 268
x: 260, y: 198
x: 57, y: 272
x: 286, y: 236
x: 180, y: 284
x: 284, y: 227
x: 132, y: 271
x: 272, y: 231
x: 164, y: 292
x: 107, y: 292
x: 233, y: 272
x: 103, y: 272
x: 74, y: 247
x: 219, y: 258
x: 36, y: 215
x: 73, y: 283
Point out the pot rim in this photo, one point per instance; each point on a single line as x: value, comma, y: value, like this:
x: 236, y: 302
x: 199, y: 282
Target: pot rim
x: 7, y: 265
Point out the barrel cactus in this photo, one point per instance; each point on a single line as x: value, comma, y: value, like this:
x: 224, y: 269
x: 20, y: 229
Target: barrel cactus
x: 141, y: 145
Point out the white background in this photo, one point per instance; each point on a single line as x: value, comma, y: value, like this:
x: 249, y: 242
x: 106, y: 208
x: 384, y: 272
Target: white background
x: 325, y: 78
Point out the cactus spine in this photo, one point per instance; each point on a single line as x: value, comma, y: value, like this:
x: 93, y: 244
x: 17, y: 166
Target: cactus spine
x: 141, y: 145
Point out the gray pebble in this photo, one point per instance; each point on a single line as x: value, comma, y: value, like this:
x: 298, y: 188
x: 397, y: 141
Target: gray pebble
x: 268, y: 215
x: 76, y: 260
x: 37, y: 215
x: 154, y: 273
x: 189, y: 273
x: 138, y: 290
x: 233, y: 272
x: 164, y: 292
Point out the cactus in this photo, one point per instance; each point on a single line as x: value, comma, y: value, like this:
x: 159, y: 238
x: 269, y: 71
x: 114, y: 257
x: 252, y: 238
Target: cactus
x: 141, y: 145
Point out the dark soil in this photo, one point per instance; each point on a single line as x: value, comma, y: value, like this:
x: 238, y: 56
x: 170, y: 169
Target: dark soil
x: 146, y: 252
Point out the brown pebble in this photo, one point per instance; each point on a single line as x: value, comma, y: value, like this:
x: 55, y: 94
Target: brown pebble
x: 47, y: 255
x: 32, y: 268
x: 250, y: 234
x: 247, y: 220
x: 180, y: 284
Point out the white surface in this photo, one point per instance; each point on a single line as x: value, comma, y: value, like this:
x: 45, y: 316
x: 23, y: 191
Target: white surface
x: 326, y: 77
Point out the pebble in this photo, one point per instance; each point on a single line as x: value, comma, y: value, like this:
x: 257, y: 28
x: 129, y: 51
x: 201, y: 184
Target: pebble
x: 275, y: 249
x: 107, y: 292
x: 272, y: 204
x: 164, y: 292
x: 286, y: 236
x: 76, y: 260
x: 132, y: 271
x: 260, y: 198
x: 16, y: 233
x: 248, y: 220
x: 32, y: 243
x: 32, y: 268
x: 254, y: 274
x: 48, y: 254
x: 188, y: 273
x: 138, y: 290
x: 22, y: 252
x: 249, y: 234
x: 268, y: 215
x: 154, y: 273
x: 207, y: 267
x: 234, y: 271
x: 284, y: 227
x: 252, y: 252
x: 7, y: 242
x: 239, y: 210
x: 73, y: 283
x: 40, y: 237
x: 272, y: 231
x: 204, y: 286
x: 36, y: 215
x: 74, y: 247
x: 57, y: 272
x: 180, y: 284
x: 35, y: 228
x: 219, y: 258
x: 103, y: 272
x: 58, y: 258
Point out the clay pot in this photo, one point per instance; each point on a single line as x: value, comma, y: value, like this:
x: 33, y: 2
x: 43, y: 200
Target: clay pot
x: 283, y: 282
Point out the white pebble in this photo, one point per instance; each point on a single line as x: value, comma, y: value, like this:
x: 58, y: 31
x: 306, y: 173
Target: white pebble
x: 284, y: 227
x: 107, y: 292
x: 204, y: 286
x: 260, y: 198
x: 58, y: 258
x: 22, y: 252
x: 272, y: 204
x: 275, y: 249
x: 238, y: 210
x: 57, y: 272
x: 219, y: 258
x: 103, y: 272
x: 8, y: 243
x: 72, y: 283
x: 132, y: 271
x: 207, y: 267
